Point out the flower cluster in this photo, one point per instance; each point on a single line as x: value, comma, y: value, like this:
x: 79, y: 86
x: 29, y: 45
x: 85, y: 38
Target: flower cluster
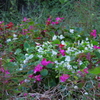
x: 64, y: 77
x: 93, y: 33
x: 58, y: 20
x: 39, y: 68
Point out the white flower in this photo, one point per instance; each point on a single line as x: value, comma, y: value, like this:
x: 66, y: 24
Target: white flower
x: 78, y: 52
x: 86, y: 93
x: 27, y: 49
x: 68, y: 66
x: 37, y: 43
x: 26, y: 55
x: 26, y: 80
x: 82, y: 42
x: 25, y: 61
x: 71, y: 30
x: 78, y: 42
x: 67, y: 58
x: 61, y: 37
x: 31, y: 56
x: 63, y: 43
x: 86, y: 48
x: 98, y: 50
x: 61, y: 62
x: 54, y: 37
x: 20, y: 69
x: 68, y: 50
x: 79, y: 36
x: 80, y: 63
x: 87, y: 39
x: 96, y: 65
x: 75, y: 87
x: 40, y: 49
x: 56, y: 62
x: 56, y: 66
x: 54, y: 52
x: 40, y: 56
x: 73, y: 71
x: 8, y: 40
x: 14, y: 35
x: 21, y: 65
x: 15, y: 38
x: 75, y: 67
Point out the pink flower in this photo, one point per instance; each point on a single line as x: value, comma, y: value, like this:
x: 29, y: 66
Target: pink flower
x: 21, y: 82
x: 44, y: 30
x: 38, y: 77
x: 24, y: 31
x: 96, y: 47
x: 98, y: 78
x: 25, y: 94
x: 99, y: 85
x: 93, y: 33
x: 55, y: 23
x: 61, y: 45
x: 0, y: 45
x: 25, y: 19
x: 7, y: 72
x: 44, y: 62
x: 2, y: 69
x: 48, y: 22
x: 38, y: 37
x: 85, y: 70
x: 49, y: 19
x: 9, y: 25
x: 62, y: 52
x: 38, y: 68
x: 88, y: 56
x: 31, y: 27
x: 6, y: 81
x: 64, y: 77
x: 58, y: 18
x: 1, y: 22
x: 80, y: 73
x: 30, y: 76
x: 21, y: 24
x: 11, y: 60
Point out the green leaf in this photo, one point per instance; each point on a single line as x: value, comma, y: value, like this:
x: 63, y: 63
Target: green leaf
x: 96, y: 70
x: 52, y: 82
x: 94, y: 42
x: 49, y: 66
x: 16, y: 91
x: 18, y: 51
x: 10, y: 64
x: 80, y: 85
x: 63, y: 1
x: 26, y: 45
x: 56, y: 41
x: 44, y: 72
x: 97, y: 54
x: 31, y: 23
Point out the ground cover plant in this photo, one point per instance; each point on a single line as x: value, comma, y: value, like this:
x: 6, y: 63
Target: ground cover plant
x: 48, y: 61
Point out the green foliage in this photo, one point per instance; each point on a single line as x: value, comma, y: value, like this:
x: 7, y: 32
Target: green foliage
x: 63, y: 1
x: 96, y: 71
x: 44, y: 72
